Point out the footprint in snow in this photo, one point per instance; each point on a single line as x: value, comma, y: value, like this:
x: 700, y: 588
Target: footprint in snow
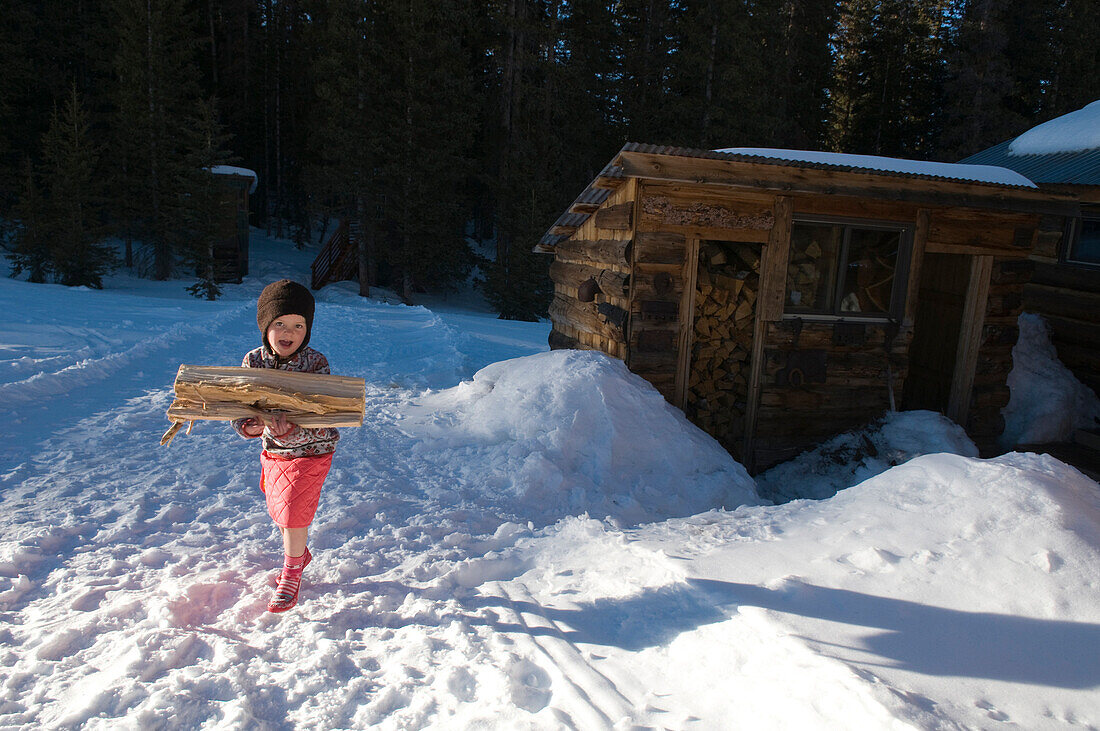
x: 529, y: 684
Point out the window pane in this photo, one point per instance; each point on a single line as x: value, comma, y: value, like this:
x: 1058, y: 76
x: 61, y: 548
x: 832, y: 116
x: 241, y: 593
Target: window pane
x: 869, y: 276
x: 811, y: 268
x: 1087, y: 246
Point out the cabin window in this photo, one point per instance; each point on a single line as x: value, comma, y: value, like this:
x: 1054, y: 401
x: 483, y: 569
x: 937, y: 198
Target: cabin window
x: 1085, y: 241
x: 845, y: 269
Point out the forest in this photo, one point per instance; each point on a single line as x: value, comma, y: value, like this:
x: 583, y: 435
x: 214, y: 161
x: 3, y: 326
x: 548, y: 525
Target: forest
x: 438, y: 123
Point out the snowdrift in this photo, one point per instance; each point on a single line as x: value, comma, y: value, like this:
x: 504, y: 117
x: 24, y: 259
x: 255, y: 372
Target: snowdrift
x: 567, y: 432
x: 1048, y: 402
x: 946, y: 592
x: 855, y: 456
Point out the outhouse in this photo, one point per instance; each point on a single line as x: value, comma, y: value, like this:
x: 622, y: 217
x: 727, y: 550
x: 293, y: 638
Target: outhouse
x: 780, y: 297
x: 231, y: 247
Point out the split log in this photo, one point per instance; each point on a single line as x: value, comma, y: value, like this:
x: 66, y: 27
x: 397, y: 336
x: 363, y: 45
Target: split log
x: 584, y: 318
x: 616, y: 218
x: 660, y: 248
x: 571, y: 275
x: 603, y: 252
x: 216, y: 393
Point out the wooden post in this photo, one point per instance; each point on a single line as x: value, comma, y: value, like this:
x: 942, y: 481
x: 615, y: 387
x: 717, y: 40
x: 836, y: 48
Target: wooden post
x: 687, y: 323
x: 920, y: 239
x: 970, y: 338
x: 769, y: 308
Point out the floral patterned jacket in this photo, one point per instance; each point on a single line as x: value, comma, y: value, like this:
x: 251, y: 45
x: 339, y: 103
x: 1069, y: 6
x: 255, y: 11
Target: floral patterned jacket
x: 300, y: 441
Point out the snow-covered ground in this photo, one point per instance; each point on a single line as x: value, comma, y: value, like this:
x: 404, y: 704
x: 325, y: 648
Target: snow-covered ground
x: 514, y: 539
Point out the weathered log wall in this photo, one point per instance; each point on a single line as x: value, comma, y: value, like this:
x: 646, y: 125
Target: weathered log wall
x: 822, y: 378
x: 591, y: 276
x: 655, y: 308
x: 1068, y: 297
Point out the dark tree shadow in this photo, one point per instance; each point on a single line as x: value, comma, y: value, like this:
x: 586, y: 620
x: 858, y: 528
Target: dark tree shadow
x: 896, y: 633
x: 935, y: 640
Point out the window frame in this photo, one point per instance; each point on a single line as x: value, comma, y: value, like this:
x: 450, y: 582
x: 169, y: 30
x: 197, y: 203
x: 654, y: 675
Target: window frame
x: 1072, y: 237
x: 898, y: 290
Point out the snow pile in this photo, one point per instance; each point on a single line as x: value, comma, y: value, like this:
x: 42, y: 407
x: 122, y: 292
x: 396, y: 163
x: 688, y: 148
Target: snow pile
x: 1047, y: 402
x: 948, y: 592
x: 855, y: 456
x: 950, y: 170
x: 1071, y: 132
x: 566, y: 432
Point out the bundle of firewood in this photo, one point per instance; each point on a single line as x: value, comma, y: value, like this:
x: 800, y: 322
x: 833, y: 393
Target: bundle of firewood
x: 214, y: 393
x: 804, y: 274
x: 725, y: 300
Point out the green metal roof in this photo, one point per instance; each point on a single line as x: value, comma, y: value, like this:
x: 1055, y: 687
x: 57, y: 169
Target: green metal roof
x: 1062, y: 168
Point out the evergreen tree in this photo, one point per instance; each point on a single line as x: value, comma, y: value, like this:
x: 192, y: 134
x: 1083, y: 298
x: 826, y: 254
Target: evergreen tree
x: 61, y: 233
x: 887, y: 89
x: 643, y: 44
x: 76, y: 232
x: 157, y: 95
x: 422, y: 111
x: 340, y: 145
x: 203, y: 202
x: 1076, y: 64
x: 30, y: 251
x: 979, y: 84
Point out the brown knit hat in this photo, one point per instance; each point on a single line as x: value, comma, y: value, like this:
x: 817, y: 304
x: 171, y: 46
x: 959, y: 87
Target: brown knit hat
x: 284, y: 297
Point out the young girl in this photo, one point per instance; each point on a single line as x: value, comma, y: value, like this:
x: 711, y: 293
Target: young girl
x: 294, y: 460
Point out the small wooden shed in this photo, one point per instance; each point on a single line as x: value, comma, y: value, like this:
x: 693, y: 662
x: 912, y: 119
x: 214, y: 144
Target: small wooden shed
x: 231, y: 249
x: 1063, y: 156
x: 781, y: 297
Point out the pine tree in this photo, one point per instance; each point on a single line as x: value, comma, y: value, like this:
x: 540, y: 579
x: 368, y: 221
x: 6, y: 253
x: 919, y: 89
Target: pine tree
x: 69, y: 164
x: 979, y: 84
x: 157, y: 94
x: 1076, y: 58
x: 61, y: 232
x: 204, y: 205
x: 887, y: 88
x: 420, y: 104
x: 30, y: 250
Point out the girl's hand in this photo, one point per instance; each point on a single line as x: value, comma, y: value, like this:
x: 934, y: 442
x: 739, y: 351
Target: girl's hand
x: 279, y: 426
x: 252, y: 427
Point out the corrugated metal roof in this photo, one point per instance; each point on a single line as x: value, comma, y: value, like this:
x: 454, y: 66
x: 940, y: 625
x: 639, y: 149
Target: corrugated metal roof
x: 599, y: 190
x: 1062, y: 168
x: 840, y: 162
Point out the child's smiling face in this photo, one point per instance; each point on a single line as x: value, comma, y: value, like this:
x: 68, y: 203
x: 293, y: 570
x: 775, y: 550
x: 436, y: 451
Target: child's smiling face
x: 286, y: 334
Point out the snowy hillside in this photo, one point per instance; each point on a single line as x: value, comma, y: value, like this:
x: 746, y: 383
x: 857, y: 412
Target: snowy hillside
x: 515, y: 539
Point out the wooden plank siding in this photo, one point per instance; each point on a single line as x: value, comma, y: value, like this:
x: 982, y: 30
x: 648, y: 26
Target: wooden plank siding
x: 1068, y: 297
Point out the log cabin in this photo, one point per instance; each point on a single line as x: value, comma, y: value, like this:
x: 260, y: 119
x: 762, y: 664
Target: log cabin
x: 1063, y: 156
x: 231, y: 247
x: 781, y: 297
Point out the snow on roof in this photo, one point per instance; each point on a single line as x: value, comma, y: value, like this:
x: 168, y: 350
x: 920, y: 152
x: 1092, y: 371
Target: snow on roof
x: 954, y: 171
x: 243, y: 172
x: 1071, y: 132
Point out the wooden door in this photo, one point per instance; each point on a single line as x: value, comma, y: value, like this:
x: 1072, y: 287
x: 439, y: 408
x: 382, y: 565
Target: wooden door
x: 937, y: 325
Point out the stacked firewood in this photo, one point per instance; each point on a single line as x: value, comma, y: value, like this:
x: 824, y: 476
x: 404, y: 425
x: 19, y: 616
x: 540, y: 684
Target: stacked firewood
x: 727, y: 286
x: 804, y: 272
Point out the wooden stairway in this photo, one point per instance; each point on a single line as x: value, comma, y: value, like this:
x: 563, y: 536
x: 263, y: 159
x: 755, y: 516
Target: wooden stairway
x: 338, y: 259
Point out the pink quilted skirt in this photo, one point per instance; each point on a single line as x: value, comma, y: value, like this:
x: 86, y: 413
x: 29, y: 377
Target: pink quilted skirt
x: 293, y: 487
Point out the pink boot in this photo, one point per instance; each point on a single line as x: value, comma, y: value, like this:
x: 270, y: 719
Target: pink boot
x: 290, y: 581
x: 273, y: 580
